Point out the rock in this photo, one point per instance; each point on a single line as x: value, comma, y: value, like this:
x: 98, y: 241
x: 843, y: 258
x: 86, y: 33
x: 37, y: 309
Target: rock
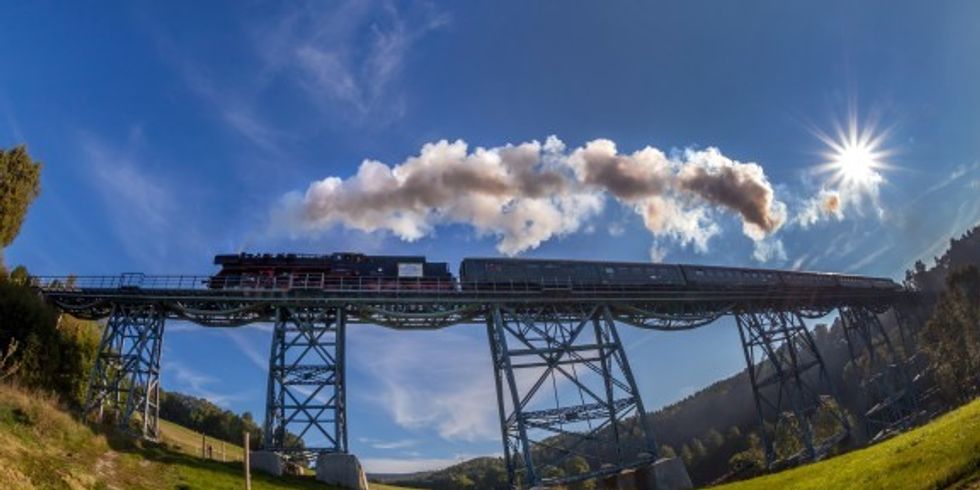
x: 343, y: 470
x: 267, y: 462
x: 292, y: 468
x: 664, y: 474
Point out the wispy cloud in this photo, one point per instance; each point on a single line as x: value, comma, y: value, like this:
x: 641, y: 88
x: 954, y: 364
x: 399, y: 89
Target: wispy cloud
x: 437, y: 380
x: 349, y: 56
x: 241, y: 338
x: 389, y: 445
x: 191, y: 382
x: 868, y: 259
x: 140, y: 204
x: 147, y: 208
x: 411, y: 465
x: 11, y: 121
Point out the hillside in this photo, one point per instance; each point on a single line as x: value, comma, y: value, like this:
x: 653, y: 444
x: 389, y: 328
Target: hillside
x: 942, y: 454
x: 188, y: 442
x: 42, y: 446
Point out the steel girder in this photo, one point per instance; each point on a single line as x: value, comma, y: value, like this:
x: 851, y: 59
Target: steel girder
x: 126, y: 374
x: 790, y: 385
x: 892, y: 398
x: 306, y: 399
x: 565, y: 390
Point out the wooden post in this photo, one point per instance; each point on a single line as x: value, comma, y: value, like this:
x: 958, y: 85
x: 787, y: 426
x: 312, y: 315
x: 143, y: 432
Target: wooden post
x: 204, y: 446
x: 248, y: 470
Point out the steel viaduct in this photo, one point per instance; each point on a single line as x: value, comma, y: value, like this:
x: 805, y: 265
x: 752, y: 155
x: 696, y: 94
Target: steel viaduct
x: 563, y: 382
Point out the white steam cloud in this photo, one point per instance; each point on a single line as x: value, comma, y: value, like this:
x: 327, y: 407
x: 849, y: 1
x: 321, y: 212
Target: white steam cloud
x: 529, y: 193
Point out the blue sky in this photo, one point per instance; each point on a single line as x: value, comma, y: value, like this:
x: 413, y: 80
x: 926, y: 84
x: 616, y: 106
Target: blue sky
x: 171, y: 132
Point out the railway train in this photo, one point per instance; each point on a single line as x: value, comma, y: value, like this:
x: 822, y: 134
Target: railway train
x: 346, y: 270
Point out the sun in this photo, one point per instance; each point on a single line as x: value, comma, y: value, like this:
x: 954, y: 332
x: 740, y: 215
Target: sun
x: 857, y: 164
x: 855, y: 157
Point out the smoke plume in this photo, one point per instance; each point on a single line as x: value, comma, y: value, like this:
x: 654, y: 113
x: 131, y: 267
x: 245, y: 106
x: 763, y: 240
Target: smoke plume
x: 529, y: 193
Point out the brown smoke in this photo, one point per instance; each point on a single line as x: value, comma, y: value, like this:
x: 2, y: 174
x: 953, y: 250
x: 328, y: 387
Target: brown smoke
x: 526, y: 194
x: 628, y: 177
x: 831, y: 204
x: 736, y: 187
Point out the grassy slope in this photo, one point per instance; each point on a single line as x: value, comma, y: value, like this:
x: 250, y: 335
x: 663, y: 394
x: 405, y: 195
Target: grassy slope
x: 941, y: 454
x: 189, y: 442
x: 42, y: 446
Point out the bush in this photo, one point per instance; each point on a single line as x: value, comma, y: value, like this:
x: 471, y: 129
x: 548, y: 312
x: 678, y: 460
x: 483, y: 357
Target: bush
x: 54, y: 352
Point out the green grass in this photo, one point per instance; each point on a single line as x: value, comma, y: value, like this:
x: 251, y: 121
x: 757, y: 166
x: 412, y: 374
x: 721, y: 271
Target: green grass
x: 942, y: 454
x: 42, y: 446
x: 188, y: 442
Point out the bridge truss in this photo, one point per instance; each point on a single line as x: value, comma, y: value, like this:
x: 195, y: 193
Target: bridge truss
x: 564, y: 385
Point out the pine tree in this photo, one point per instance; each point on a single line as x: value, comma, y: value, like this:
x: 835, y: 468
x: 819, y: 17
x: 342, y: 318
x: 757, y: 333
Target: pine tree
x: 952, y: 336
x: 714, y: 438
x: 687, y: 455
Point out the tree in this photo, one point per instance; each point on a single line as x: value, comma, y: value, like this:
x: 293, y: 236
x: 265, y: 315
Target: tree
x: 951, y: 337
x: 714, y: 438
x: 687, y: 455
x: 698, y: 447
x: 20, y: 183
x: 734, y: 433
x: 460, y: 480
x: 667, y: 452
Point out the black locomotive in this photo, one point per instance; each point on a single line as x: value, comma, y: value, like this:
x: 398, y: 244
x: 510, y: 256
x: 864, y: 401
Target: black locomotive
x: 343, y: 270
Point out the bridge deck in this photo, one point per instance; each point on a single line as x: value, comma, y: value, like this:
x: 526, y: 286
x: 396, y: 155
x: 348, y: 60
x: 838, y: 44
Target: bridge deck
x: 441, y: 304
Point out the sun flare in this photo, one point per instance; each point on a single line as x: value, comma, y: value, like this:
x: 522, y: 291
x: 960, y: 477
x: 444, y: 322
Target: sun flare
x: 855, y: 157
x: 857, y: 164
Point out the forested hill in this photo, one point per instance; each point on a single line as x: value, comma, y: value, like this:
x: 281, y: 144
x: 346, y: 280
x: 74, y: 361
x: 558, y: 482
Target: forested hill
x: 714, y: 429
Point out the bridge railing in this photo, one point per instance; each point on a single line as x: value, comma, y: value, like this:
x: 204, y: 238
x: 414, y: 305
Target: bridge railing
x: 250, y: 284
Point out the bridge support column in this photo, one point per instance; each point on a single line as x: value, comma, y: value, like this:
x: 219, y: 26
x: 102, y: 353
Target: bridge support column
x: 907, y: 332
x: 565, y: 395
x: 305, y: 405
x: 790, y: 386
x: 126, y: 374
x: 891, y: 394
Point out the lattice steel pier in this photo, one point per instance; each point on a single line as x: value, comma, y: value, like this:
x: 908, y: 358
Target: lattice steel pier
x: 306, y: 399
x: 889, y: 387
x: 126, y: 374
x: 564, y: 390
x: 790, y: 384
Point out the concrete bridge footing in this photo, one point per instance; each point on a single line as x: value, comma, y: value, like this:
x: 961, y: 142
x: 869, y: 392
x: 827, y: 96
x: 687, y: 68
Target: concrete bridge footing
x: 664, y: 474
x: 342, y: 470
x: 267, y: 462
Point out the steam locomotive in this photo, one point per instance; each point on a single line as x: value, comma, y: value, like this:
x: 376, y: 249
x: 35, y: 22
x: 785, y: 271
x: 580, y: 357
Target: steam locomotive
x: 357, y: 271
x: 344, y: 270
